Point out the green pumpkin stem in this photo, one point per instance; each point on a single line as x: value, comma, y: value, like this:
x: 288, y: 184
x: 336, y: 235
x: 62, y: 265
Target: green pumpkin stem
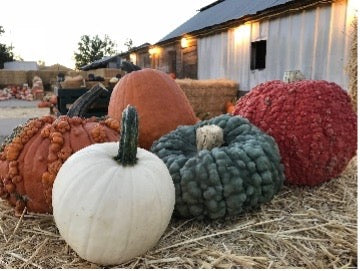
x: 129, y: 137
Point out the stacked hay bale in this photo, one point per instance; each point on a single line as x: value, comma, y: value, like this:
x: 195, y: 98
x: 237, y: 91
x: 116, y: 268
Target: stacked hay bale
x: 9, y: 77
x: 208, y: 97
x: 352, y: 65
x: 73, y: 82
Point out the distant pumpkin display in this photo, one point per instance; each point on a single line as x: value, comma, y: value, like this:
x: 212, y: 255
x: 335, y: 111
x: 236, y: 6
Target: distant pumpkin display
x: 161, y: 104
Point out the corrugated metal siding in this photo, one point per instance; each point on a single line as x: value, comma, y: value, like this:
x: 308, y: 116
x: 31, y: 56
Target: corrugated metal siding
x: 312, y: 41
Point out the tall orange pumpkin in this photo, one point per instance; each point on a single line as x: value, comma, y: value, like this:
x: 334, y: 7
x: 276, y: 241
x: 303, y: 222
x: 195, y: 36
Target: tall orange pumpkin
x: 29, y: 162
x: 161, y: 104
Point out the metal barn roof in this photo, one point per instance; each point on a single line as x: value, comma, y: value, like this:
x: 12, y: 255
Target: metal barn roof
x: 220, y: 12
x: 101, y: 63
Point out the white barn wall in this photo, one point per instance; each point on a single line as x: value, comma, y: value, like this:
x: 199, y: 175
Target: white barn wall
x: 313, y: 41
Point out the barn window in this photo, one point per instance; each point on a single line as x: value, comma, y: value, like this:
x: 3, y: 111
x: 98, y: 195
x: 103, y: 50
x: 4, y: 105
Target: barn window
x: 258, y: 55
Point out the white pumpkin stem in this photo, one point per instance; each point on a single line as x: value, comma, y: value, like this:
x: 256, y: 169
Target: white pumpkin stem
x: 208, y: 137
x: 129, y: 137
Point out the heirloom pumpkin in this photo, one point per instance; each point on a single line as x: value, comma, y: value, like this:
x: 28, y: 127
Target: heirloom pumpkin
x: 221, y: 167
x: 33, y: 154
x: 313, y: 123
x: 160, y: 103
x: 113, y: 201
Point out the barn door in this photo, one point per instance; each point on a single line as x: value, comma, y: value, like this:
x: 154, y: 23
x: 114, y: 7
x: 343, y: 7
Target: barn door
x: 172, y: 62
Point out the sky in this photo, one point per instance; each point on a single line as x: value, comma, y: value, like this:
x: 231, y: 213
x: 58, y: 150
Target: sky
x: 48, y: 30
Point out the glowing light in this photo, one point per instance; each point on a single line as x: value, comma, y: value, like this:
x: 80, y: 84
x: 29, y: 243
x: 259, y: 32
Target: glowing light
x: 184, y: 42
x: 242, y: 33
x: 352, y: 10
x: 133, y: 58
x: 154, y: 51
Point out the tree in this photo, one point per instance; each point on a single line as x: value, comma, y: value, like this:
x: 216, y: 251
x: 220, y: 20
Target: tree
x: 41, y: 63
x: 93, y: 48
x: 129, y: 44
x: 6, y: 52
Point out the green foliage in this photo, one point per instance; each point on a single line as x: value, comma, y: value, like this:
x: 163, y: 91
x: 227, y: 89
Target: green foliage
x: 41, y: 63
x: 91, y: 49
x: 129, y: 44
x: 6, y: 52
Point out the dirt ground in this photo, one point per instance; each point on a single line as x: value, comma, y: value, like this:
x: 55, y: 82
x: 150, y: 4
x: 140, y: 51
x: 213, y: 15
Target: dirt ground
x: 23, y: 112
x: 14, y: 112
x: 14, y: 108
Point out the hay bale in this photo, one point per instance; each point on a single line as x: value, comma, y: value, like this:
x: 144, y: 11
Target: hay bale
x: 208, y: 97
x: 10, y: 77
x: 352, y: 65
x: 76, y: 73
x: 73, y: 82
x: 55, y: 67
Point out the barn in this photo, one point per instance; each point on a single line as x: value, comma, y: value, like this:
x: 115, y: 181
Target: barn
x: 252, y: 41
x: 111, y: 62
x: 138, y: 55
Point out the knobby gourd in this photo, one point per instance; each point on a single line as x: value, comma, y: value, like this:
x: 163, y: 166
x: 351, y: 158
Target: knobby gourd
x: 113, y: 201
x: 31, y: 157
x: 313, y: 123
x: 220, y: 167
x: 160, y: 103
x: 229, y: 107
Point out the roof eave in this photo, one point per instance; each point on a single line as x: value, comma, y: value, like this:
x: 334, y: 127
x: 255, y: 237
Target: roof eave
x: 268, y: 13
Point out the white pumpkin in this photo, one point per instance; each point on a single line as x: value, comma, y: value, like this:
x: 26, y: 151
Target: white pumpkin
x: 108, y: 212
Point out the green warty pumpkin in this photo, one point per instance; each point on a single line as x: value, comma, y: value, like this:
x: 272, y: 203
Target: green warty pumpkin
x: 240, y: 171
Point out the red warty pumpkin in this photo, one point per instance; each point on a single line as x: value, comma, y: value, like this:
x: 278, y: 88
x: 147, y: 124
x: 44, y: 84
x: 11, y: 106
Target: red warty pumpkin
x: 313, y: 123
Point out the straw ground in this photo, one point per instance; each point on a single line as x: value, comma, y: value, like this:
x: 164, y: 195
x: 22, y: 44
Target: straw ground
x: 301, y: 227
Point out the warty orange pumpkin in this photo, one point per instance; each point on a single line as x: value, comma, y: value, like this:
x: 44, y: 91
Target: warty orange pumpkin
x: 33, y: 154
